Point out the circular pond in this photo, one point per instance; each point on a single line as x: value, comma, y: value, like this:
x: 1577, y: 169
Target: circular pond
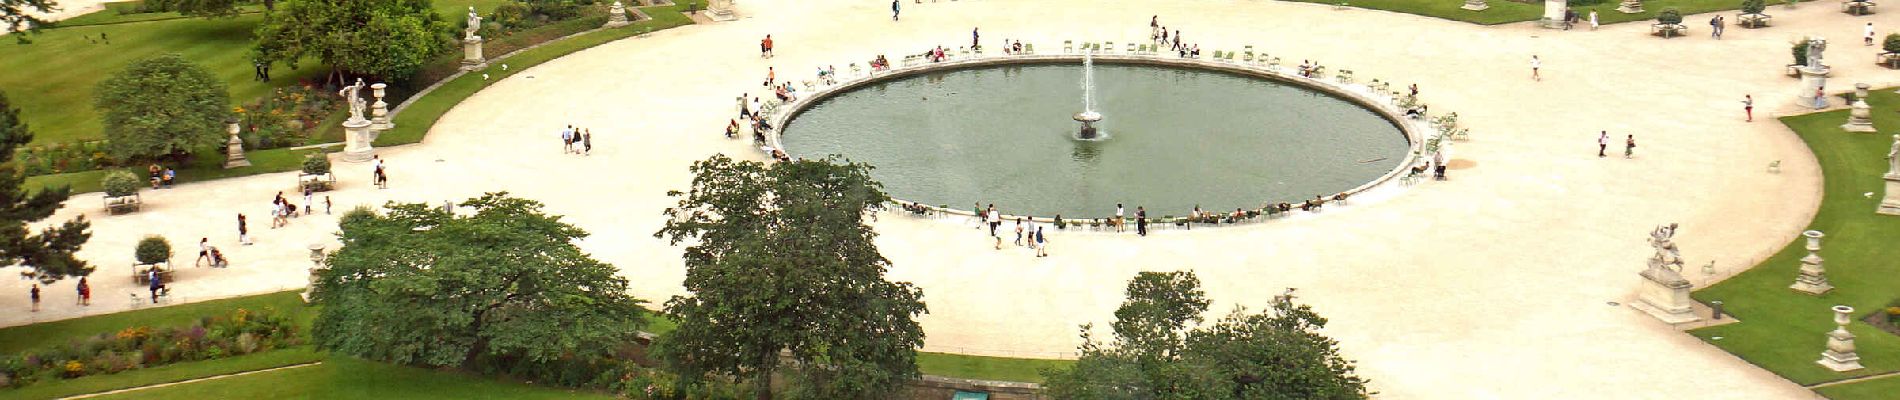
x: 1173, y: 137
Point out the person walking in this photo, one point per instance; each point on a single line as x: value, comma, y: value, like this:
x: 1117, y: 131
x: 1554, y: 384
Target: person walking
x: 1042, y: 244
x: 1748, y: 107
x: 1869, y: 38
x: 1593, y: 20
x: 765, y: 47
x: 151, y: 276
x: 996, y: 220
x: 85, y: 292
x: 975, y: 38
x: 567, y: 139
x: 894, y: 9
x: 1141, y: 221
x: 1715, y: 27
x: 1019, y: 231
x: 326, y: 205
x: 1629, y: 147
x: 35, y: 292
x: 244, y: 232
x: 1536, y: 64
x: 771, y: 75
x: 1603, y: 143
x: 1820, y: 97
x: 309, y: 201
x: 587, y: 142
x: 204, y: 251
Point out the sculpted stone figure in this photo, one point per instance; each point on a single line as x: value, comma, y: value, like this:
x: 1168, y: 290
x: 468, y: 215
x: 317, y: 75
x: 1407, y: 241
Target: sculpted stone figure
x: 1815, y: 47
x: 1893, y: 157
x: 350, y: 94
x: 474, y: 23
x: 1666, y: 253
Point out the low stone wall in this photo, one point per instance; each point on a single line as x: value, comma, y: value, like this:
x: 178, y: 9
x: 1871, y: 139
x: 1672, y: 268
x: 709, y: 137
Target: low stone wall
x: 937, y: 387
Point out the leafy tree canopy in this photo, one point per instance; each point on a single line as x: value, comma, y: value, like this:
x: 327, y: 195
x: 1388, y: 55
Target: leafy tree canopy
x: 15, y: 15
x: 162, y: 106
x: 50, y: 252
x: 1277, y: 354
x: 418, y: 285
x: 383, y: 38
x: 207, y: 8
x: 782, y: 261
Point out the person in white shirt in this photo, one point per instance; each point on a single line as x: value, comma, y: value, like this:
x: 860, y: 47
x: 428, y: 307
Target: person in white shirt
x: 1118, y: 217
x: 1870, y: 34
x: 1535, y: 65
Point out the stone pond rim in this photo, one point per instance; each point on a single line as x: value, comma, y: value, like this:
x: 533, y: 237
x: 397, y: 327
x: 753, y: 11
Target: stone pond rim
x: 1249, y: 187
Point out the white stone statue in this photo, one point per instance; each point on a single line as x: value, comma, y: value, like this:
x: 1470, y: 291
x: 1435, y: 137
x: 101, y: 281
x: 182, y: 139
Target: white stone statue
x: 1893, y: 157
x: 1815, y: 47
x: 474, y: 23
x: 350, y: 94
x: 1666, y: 253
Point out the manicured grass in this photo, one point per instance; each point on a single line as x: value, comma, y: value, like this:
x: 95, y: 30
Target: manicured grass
x: 52, y: 80
x: 415, y: 121
x: 165, y: 374
x: 203, y: 168
x: 1506, y: 11
x: 1784, y: 331
x: 1883, y: 388
x: 349, y: 378
x: 987, y: 368
x: 18, y: 338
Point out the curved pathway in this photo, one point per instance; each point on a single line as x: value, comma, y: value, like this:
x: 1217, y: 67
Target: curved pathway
x: 1494, y: 284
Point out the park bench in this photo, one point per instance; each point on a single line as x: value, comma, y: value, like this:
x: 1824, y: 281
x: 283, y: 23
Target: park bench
x: 1667, y: 30
x: 316, y: 182
x: 1857, y: 7
x: 122, y: 204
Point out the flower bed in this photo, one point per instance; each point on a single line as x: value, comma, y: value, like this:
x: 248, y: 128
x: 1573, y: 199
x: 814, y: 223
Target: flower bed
x: 242, y: 332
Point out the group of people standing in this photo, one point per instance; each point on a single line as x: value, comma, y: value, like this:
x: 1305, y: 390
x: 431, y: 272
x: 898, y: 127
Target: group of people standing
x: 573, y: 141
x: 1028, y: 233
x: 1603, y: 145
x: 84, y: 298
x: 1160, y: 35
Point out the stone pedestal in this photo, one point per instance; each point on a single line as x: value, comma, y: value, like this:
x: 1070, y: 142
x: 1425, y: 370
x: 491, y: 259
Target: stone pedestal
x: 1665, y: 295
x: 616, y: 15
x: 357, y: 137
x: 1840, y: 355
x: 234, y: 149
x: 1813, y: 278
x: 1890, y: 204
x: 1475, y: 5
x: 472, y: 54
x: 1812, y: 79
x: 1630, y: 7
x: 379, y: 111
x: 721, y: 10
x: 1857, y: 118
x: 1554, y: 14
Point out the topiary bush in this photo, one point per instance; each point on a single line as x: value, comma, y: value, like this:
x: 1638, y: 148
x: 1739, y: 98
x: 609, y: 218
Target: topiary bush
x: 1801, y: 53
x: 1670, y: 17
x: 316, y: 164
x: 120, y: 183
x: 1753, y: 6
x: 1892, y: 43
x: 153, y: 250
x: 355, y: 215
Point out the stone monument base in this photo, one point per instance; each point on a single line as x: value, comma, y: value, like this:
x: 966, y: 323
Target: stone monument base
x: 472, y: 54
x: 357, y: 137
x: 1862, y: 126
x: 1626, y: 9
x: 1812, y: 79
x: 1890, y: 204
x: 1811, y: 286
x: 1665, y: 295
x: 1476, y: 5
x: 1839, y: 362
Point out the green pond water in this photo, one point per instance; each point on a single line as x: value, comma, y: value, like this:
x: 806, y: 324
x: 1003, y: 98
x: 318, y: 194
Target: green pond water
x: 1174, y: 138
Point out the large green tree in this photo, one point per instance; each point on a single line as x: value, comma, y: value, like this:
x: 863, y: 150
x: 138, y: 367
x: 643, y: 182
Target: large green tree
x: 162, y: 106
x: 782, y: 261
x: 50, y: 252
x: 390, y: 39
x: 1158, y: 353
x: 506, y: 284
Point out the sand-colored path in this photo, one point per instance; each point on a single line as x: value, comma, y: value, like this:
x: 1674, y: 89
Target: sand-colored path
x: 1494, y: 284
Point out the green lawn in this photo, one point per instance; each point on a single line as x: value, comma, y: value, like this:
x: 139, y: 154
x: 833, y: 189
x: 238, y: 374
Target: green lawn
x: 15, y: 339
x: 1505, y: 11
x: 203, y: 168
x: 349, y: 378
x: 1783, y: 330
x: 165, y: 374
x: 987, y: 368
x: 52, y: 79
x: 1883, y: 388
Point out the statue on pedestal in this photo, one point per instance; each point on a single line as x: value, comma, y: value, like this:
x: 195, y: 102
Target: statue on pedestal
x: 1815, y: 47
x: 474, y: 24
x: 1665, y: 293
x: 1890, y: 203
x: 1893, y: 159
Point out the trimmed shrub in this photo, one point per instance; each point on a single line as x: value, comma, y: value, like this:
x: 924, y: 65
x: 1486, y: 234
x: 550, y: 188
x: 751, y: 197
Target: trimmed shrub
x: 120, y: 183
x: 1891, y: 44
x: 1753, y: 6
x: 153, y: 250
x: 316, y: 163
x: 1670, y: 17
x: 1801, y: 53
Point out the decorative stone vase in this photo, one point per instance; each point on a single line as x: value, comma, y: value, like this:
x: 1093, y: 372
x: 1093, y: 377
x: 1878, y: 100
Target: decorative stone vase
x: 1813, y: 278
x: 1840, y: 355
x: 616, y: 15
x: 1475, y: 5
x: 1858, y: 118
x: 1630, y: 7
x: 234, y: 148
x: 379, y: 111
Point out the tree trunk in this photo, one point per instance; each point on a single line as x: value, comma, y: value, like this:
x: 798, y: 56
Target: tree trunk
x: 764, y: 380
